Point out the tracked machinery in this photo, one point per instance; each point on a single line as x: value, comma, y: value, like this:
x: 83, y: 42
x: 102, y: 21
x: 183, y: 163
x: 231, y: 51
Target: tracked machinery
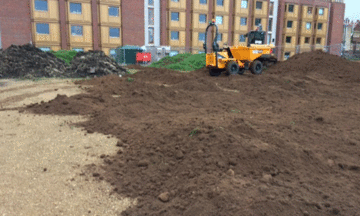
x: 237, y: 59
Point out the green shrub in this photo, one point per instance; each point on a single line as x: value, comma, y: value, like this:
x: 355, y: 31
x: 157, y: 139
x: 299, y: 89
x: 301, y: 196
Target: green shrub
x: 182, y: 62
x: 170, y: 60
x: 66, y: 55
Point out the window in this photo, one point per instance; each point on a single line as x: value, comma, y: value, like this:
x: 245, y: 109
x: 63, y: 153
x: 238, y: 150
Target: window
x: 201, y: 36
x: 41, y: 5
x: 151, y: 35
x: 259, y: 5
x: 203, y: 1
x: 114, y: 32
x: 112, y: 52
x: 269, y: 39
x: 151, y: 16
x: 151, y: 2
x: 291, y: 8
x: 242, y: 38
x: 257, y: 21
x: 78, y: 49
x: 288, y: 39
x: 42, y: 28
x: 318, y: 40
x: 310, y: 9
x: 289, y: 24
x: 75, y: 8
x: 174, y: 16
x: 244, y: 3
x: 308, y: 25
x: 114, y: 11
x: 243, y: 21
x: 270, y: 24
x: 174, y: 35
x: 76, y: 30
x: 175, y: 0
x: 271, y: 10
x: 287, y: 55
x: 319, y: 25
x: 307, y: 40
x: 321, y: 11
x: 219, y: 20
x: 220, y: 2
x: 220, y: 37
x: 202, y: 18
x: 45, y: 49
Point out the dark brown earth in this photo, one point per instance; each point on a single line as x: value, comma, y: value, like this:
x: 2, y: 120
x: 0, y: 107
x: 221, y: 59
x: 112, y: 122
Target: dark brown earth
x: 283, y: 143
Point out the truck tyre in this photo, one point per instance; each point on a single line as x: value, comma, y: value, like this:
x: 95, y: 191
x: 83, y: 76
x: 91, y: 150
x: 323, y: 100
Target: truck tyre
x: 214, y: 72
x: 256, y: 67
x: 241, y: 71
x: 232, y: 68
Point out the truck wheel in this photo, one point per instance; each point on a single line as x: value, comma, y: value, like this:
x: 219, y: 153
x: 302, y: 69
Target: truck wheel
x: 214, y: 72
x: 232, y: 68
x: 241, y: 71
x: 256, y: 67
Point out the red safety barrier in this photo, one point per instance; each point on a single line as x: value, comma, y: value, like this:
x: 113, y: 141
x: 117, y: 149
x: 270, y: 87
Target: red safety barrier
x: 143, y: 57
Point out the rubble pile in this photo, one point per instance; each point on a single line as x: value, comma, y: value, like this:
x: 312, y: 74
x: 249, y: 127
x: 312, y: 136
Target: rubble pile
x: 93, y: 64
x: 27, y: 61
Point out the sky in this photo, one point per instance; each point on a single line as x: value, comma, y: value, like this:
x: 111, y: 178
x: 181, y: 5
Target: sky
x: 352, y: 9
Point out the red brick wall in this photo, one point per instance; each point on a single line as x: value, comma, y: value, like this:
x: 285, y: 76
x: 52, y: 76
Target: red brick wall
x: 15, y: 22
x: 133, y: 22
x: 336, y: 23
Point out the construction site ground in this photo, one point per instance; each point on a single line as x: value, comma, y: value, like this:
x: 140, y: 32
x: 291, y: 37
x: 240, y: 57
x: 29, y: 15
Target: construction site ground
x: 159, y: 142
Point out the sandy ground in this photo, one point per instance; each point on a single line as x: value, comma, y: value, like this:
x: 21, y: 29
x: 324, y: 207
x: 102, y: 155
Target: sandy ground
x: 43, y: 157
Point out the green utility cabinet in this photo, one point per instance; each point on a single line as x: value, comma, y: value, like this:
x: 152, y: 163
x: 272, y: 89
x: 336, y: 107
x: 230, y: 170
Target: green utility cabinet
x: 127, y: 54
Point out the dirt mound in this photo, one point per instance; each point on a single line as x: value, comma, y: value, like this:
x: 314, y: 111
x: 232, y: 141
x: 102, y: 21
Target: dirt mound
x: 191, y: 144
x: 321, y: 63
x: 27, y: 61
x: 94, y: 63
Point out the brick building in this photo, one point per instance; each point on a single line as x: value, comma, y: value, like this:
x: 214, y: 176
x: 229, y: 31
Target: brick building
x: 107, y: 24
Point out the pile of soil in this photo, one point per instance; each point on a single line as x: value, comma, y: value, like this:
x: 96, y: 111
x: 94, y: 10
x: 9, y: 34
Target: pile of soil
x: 27, y: 61
x: 191, y: 144
x: 94, y: 64
x: 318, y: 62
